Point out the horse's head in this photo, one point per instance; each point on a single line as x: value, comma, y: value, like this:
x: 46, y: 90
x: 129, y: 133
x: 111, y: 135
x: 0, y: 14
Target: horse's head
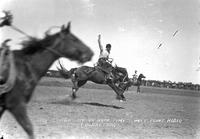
x: 71, y: 47
x: 141, y: 76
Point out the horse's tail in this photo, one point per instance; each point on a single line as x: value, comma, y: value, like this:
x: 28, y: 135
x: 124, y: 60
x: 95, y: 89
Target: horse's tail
x: 64, y: 72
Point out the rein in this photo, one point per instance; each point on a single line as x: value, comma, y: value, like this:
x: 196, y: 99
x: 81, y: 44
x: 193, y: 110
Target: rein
x: 29, y: 36
x: 8, y: 17
x: 20, y: 31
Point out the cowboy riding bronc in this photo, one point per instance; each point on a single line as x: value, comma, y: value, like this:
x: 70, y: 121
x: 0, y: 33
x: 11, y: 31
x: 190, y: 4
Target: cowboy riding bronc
x: 104, y: 61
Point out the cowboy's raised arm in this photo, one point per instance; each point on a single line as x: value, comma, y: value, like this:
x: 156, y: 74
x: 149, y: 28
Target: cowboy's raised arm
x: 7, y: 19
x: 99, y: 42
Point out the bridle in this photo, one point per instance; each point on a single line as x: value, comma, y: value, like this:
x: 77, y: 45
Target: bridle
x: 52, y: 50
x: 61, y: 38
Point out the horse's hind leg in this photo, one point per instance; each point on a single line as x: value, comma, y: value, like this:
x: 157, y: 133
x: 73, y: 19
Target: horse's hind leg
x: 20, y: 114
x: 74, y: 90
x: 76, y: 87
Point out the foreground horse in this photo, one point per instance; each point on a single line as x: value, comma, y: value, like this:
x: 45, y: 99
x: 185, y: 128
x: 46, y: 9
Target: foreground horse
x: 31, y: 63
x: 79, y: 77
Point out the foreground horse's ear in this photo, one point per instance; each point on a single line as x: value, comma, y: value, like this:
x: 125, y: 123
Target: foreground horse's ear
x: 66, y: 29
x: 68, y: 26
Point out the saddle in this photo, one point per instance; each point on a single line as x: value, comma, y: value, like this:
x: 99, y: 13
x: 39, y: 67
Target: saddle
x: 104, y: 66
x: 106, y: 69
x: 7, y: 64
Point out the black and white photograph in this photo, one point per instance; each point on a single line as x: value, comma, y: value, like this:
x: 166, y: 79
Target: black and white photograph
x: 99, y: 69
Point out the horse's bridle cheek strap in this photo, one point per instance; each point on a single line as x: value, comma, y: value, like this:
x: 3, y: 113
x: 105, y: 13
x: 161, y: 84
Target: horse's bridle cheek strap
x: 61, y: 38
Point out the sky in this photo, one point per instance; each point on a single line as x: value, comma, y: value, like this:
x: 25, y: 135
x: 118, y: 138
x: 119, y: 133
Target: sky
x: 134, y: 28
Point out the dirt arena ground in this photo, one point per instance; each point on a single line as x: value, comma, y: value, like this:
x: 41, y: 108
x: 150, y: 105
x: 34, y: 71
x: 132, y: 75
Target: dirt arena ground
x: 96, y: 114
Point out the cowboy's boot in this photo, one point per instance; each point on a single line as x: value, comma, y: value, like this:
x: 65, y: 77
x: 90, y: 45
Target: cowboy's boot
x: 2, y: 79
x: 109, y: 78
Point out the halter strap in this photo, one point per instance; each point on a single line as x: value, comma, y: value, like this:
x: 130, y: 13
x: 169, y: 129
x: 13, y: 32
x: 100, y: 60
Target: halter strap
x: 52, y: 50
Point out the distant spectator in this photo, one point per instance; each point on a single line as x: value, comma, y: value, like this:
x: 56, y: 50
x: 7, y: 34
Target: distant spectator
x: 135, y: 76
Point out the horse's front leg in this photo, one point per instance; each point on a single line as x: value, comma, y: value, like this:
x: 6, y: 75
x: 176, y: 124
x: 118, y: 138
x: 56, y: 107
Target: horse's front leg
x: 118, y: 91
x: 20, y: 113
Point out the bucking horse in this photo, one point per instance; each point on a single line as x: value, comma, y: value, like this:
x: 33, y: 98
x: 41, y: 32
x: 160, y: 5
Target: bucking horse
x: 79, y: 76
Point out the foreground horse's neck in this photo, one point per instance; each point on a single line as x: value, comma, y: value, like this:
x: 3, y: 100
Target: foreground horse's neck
x: 41, y: 62
x: 37, y: 56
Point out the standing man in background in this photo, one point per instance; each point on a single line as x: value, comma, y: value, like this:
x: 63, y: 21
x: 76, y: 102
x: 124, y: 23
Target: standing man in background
x: 135, y: 76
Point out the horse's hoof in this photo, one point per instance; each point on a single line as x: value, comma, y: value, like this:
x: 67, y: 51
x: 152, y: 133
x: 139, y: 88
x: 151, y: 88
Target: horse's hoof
x: 124, y: 99
x: 73, y: 97
x: 118, y: 97
x: 73, y: 90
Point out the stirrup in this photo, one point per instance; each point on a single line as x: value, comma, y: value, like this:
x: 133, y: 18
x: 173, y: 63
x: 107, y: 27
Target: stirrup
x: 108, y: 79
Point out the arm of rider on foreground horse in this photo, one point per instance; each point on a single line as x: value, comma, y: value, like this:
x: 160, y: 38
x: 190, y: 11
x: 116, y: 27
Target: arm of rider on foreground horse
x: 7, y: 19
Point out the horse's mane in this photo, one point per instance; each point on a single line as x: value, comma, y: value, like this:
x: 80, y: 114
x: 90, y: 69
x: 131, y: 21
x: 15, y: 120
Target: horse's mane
x: 33, y: 44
